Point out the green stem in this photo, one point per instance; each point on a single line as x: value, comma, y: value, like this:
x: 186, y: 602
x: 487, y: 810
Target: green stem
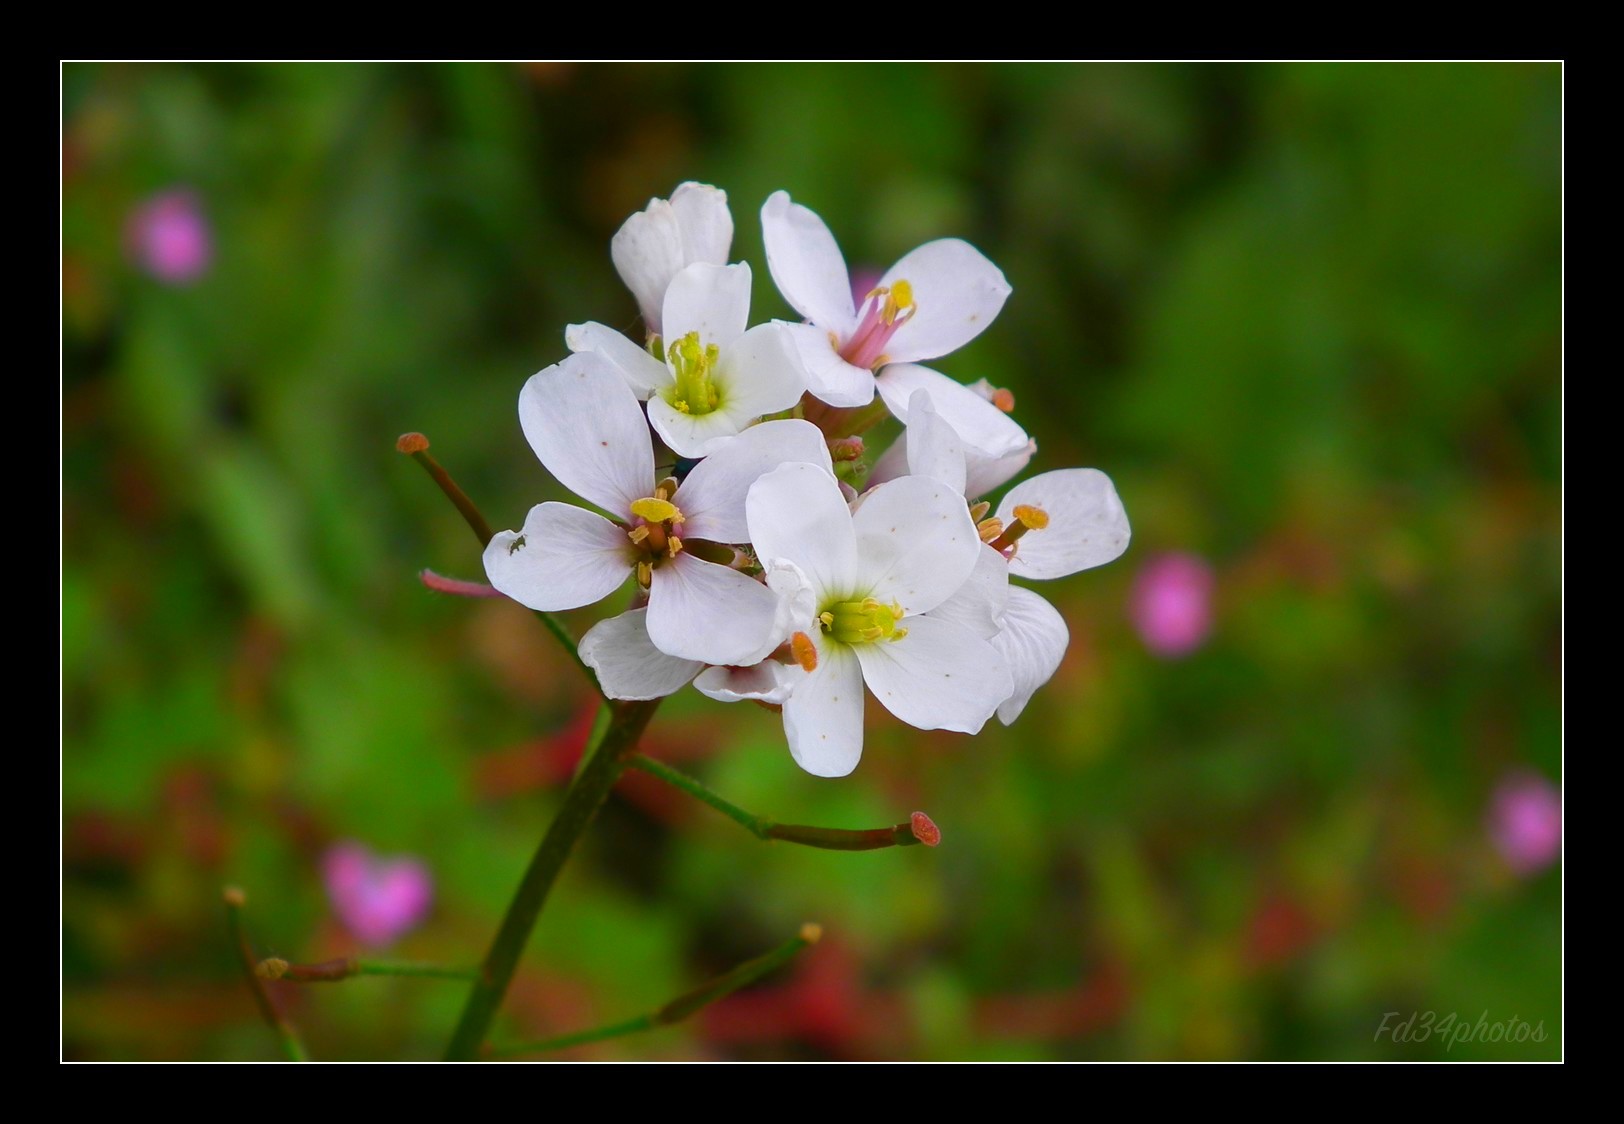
x: 416, y: 446
x: 292, y: 1046
x: 918, y: 829
x: 346, y: 967
x: 683, y: 1006
x: 587, y: 792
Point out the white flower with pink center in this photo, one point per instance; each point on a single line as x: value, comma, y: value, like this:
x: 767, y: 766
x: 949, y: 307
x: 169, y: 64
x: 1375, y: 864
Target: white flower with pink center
x: 587, y: 430
x: 861, y: 586
x: 708, y: 378
x: 935, y: 300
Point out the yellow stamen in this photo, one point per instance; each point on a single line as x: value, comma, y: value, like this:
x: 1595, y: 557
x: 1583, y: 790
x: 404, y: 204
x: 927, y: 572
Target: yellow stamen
x: 645, y: 574
x: 901, y: 300
x: 862, y: 622
x: 637, y: 535
x: 656, y: 510
x: 978, y: 511
x: 989, y: 529
x: 1034, y: 517
x: 674, y: 546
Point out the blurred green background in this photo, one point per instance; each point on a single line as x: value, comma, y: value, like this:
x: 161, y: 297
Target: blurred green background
x: 1307, y: 317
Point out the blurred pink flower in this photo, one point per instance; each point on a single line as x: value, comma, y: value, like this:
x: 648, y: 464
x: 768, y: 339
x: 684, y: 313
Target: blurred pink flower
x: 1525, y: 821
x: 169, y: 237
x: 377, y: 899
x: 1171, y: 604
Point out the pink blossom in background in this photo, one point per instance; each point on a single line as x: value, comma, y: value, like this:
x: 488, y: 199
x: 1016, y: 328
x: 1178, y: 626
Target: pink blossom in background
x: 377, y: 899
x: 170, y: 238
x: 1171, y: 604
x: 1525, y: 821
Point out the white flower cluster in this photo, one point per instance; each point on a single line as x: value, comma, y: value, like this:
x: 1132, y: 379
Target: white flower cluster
x: 761, y: 572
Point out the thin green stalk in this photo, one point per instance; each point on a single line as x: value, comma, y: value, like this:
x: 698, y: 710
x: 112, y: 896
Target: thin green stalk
x: 683, y: 1006
x: 286, y: 1036
x: 918, y: 829
x: 586, y: 794
x: 416, y: 446
x: 347, y: 967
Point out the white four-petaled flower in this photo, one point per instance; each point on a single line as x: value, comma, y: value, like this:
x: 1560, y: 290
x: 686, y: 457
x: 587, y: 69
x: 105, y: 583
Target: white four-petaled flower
x: 712, y: 378
x: 587, y: 429
x: 861, y: 585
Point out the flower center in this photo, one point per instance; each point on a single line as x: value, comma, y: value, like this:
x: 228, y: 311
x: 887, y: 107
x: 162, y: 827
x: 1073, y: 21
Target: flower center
x: 862, y: 622
x: 654, y: 528
x: 692, y: 362
x: 884, y: 311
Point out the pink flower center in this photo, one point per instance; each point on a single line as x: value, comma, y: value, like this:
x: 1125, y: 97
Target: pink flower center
x: 884, y: 311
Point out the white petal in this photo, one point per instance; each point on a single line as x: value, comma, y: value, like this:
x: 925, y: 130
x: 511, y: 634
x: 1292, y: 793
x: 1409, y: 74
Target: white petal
x: 647, y: 252
x: 979, y: 603
x: 984, y: 473
x: 701, y: 611
x: 796, y: 513
x: 916, y: 543
x: 587, y: 429
x: 984, y: 427
x: 627, y: 663
x: 711, y: 499
x: 759, y: 373
x: 941, y: 676
x: 768, y: 681
x: 829, y: 377
x: 565, y: 557
x: 713, y: 300
x: 692, y: 435
x: 807, y: 265
x: 707, y: 224
x: 958, y: 291
x: 1033, y: 642
x: 1087, y: 526
x: 823, y: 716
x: 797, y: 599
x: 642, y: 372
x: 934, y: 447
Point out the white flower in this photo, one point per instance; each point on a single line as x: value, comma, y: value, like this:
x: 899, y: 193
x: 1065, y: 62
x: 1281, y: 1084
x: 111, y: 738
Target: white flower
x: 588, y: 431
x: 935, y: 300
x: 861, y: 583
x: 662, y: 239
x: 1050, y: 526
x: 713, y: 378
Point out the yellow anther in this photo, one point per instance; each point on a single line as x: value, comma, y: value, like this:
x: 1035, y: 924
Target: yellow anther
x: 804, y: 651
x: 667, y: 488
x: 989, y: 529
x: 901, y: 299
x: 898, y: 634
x: 645, y: 574
x: 1034, y: 517
x: 674, y: 546
x: 978, y: 511
x: 828, y: 620
x: 656, y: 510
x: 637, y: 535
